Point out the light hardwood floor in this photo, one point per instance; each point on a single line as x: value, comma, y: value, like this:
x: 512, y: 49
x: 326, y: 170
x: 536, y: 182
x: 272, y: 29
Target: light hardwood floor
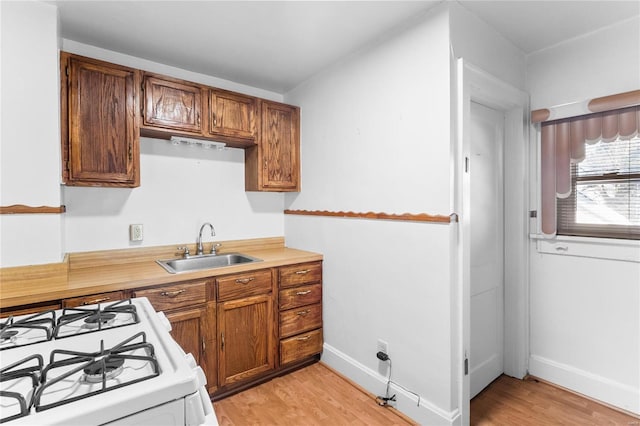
x: 314, y: 395
x: 509, y: 401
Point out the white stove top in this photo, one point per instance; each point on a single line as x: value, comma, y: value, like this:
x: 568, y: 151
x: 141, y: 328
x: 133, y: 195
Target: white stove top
x: 137, y: 384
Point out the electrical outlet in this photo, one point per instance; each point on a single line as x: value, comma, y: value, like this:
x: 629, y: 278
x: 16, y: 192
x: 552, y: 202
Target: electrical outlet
x: 135, y: 232
x: 383, y: 346
x: 383, y: 365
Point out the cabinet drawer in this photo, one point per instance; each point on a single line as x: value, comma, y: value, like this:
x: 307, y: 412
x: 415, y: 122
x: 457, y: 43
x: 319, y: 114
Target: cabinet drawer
x: 243, y: 285
x: 93, y: 299
x: 300, y: 296
x: 174, y: 296
x: 296, y: 321
x: 301, y: 346
x: 300, y: 274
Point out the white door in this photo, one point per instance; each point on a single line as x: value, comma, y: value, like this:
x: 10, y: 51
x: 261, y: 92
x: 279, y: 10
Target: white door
x: 487, y: 247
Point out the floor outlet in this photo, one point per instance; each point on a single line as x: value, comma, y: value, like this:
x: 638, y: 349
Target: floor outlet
x: 135, y: 232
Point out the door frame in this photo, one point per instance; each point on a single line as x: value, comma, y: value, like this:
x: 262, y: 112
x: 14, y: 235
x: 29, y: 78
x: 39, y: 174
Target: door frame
x: 474, y: 84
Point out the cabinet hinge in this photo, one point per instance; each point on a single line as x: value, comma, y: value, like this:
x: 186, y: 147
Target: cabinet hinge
x: 130, y: 151
x: 66, y: 71
x: 66, y: 165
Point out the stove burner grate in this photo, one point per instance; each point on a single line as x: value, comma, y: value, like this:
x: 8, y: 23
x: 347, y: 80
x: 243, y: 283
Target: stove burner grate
x: 95, y: 319
x: 30, y: 368
x: 97, y: 367
x: 42, y: 323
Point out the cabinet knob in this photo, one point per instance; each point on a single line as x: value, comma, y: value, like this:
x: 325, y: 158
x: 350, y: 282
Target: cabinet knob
x: 303, y: 313
x: 302, y: 293
x: 304, y: 338
x: 245, y: 280
x: 304, y: 271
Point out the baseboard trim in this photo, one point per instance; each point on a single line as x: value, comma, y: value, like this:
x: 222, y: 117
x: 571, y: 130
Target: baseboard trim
x: 601, y: 389
x: 425, y: 413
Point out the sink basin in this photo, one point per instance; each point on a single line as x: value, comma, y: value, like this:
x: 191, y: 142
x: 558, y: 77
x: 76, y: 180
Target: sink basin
x: 207, y: 261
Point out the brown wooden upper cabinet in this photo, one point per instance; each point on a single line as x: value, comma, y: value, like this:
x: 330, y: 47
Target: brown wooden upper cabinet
x: 274, y: 165
x: 232, y: 114
x: 172, y: 104
x: 99, y: 121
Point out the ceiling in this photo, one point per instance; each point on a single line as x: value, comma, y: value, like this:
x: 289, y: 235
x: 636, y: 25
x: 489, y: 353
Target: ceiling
x: 276, y: 45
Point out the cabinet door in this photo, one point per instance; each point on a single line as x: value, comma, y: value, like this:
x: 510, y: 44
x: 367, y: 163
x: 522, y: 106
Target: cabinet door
x: 279, y: 145
x: 101, y: 124
x: 171, y: 104
x: 232, y: 115
x: 245, y: 328
x: 194, y: 330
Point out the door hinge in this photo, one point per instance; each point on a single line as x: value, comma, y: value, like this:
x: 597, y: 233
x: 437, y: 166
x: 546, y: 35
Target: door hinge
x: 533, y: 213
x: 466, y: 366
x: 466, y: 164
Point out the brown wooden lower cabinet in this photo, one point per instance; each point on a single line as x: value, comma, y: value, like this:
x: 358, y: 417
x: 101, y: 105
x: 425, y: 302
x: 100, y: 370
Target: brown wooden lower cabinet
x: 245, y: 329
x: 242, y: 329
x: 191, y: 328
x: 300, y: 346
x: 192, y: 321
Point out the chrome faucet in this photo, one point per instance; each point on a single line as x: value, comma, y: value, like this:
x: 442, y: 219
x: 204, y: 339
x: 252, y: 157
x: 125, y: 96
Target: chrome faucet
x: 199, y: 249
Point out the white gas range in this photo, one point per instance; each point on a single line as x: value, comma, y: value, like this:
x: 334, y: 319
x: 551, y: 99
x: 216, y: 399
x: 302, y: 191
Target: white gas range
x: 111, y: 364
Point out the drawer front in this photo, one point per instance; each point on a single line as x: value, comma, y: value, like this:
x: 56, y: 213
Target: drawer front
x: 296, y: 321
x: 300, y: 346
x: 174, y: 296
x: 242, y: 285
x: 104, y: 298
x: 300, y: 296
x: 291, y: 276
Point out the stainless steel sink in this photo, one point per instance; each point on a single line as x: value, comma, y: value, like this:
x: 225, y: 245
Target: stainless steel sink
x: 207, y: 261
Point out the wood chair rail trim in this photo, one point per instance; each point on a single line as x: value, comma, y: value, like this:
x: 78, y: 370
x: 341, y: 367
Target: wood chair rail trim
x: 24, y: 209
x: 417, y: 217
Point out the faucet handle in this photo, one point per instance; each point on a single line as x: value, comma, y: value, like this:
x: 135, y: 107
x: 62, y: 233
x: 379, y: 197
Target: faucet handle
x: 185, y: 252
x: 214, y: 246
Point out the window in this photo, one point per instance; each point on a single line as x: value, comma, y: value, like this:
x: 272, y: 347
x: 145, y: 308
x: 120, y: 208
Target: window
x: 605, y: 192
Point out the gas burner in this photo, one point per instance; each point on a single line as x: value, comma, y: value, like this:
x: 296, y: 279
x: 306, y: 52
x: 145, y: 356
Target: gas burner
x: 78, y: 375
x: 8, y: 334
x: 110, y: 369
x: 27, y: 330
x: 98, y: 319
x: 74, y: 321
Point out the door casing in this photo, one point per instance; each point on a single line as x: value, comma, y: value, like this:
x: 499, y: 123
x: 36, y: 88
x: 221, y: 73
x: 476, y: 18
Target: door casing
x: 474, y: 84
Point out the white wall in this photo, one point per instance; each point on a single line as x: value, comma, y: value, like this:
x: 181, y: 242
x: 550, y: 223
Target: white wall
x: 30, y: 141
x: 481, y: 45
x: 376, y: 132
x: 599, y: 64
x: 181, y: 186
x: 585, y: 312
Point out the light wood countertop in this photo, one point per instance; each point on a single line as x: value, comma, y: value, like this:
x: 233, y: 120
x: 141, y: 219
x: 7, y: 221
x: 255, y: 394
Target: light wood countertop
x: 79, y: 278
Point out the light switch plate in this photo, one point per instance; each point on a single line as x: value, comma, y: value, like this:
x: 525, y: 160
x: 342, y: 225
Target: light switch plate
x: 135, y: 232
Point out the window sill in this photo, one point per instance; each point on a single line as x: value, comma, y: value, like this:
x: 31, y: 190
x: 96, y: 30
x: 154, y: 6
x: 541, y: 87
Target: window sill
x: 598, y: 248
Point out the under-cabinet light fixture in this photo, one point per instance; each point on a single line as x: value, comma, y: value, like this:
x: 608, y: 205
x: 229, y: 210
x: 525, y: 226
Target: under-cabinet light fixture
x: 177, y: 140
